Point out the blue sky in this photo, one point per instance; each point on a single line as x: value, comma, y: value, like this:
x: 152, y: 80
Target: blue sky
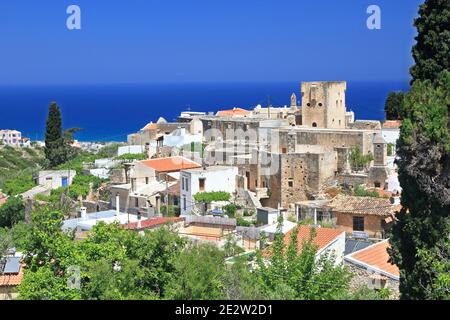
x: 145, y: 41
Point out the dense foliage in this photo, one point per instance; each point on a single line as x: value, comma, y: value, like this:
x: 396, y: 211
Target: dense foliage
x: 118, y: 264
x: 16, y: 168
x: 432, y: 51
x: 423, y: 224
x: 393, y: 105
x: 12, y: 212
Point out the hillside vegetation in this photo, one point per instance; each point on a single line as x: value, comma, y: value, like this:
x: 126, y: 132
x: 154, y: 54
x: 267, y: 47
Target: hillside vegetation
x: 17, y: 166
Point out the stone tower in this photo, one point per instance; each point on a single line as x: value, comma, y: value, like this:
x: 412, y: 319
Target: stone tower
x: 294, y: 101
x: 379, y: 172
x: 379, y: 150
x: 323, y: 104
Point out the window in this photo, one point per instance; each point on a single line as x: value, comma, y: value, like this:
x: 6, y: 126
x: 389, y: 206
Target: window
x: 184, y: 203
x: 377, y: 185
x: 182, y: 183
x: 201, y: 184
x: 290, y: 183
x: 186, y: 185
x: 358, y: 223
x: 283, y: 150
x: 314, y: 125
x: 146, y: 180
x: 136, y: 202
x: 320, y: 104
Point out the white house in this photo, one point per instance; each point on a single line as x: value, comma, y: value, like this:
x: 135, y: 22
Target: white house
x: 180, y: 137
x: 10, y: 137
x: 391, y: 132
x: 209, y: 179
x: 54, y: 179
x: 87, y: 221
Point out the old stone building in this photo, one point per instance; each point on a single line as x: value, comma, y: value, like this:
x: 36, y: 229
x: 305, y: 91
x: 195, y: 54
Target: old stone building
x: 323, y: 104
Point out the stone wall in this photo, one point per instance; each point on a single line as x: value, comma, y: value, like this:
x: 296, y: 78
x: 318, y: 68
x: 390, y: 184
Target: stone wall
x: 361, y: 277
x: 328, y: 139
x: 353, y: 179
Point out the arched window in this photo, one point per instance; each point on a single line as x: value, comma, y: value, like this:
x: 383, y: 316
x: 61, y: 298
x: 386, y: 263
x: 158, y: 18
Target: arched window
x: 314, y: 124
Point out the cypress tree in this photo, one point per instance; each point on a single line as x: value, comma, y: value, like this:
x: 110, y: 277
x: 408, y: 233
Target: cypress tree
x: 432, y: 50
x: 55, y: 146
x: 420, y: 237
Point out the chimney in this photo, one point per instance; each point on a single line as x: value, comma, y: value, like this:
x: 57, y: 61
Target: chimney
x: 117, y: 204
x: 83, y: 213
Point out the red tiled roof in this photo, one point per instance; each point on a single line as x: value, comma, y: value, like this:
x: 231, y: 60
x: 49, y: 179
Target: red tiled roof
x: 152, y: 223
x: 323, y: 237
x: 171, y: 164
x: 13, y: 279
x: 392, y: 124
x: 233, y: 112
x: 375, y: 256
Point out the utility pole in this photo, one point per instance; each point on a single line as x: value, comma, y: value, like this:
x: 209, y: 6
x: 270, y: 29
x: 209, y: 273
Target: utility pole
x: 268, y: 107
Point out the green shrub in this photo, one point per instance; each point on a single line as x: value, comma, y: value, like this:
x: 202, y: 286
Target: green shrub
x: 361, y: 192
x: 208, y: 197
x: 131, y: 156
x: 242, y: 222
x: 170, y: 211
x: 230, y: 210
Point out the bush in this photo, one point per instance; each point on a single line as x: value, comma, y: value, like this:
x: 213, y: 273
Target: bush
x: 359, y: 160
x: 21, y: 183
x: 81, y: 185
x: 12, y: 212
x: 248, y: 213
x: 242, y: 222
x: 208, y: 197
x: 131, y: 156
x: 361, y: 192
x: 170, y: 211
x: 390, y: 149
x: 230, y: 210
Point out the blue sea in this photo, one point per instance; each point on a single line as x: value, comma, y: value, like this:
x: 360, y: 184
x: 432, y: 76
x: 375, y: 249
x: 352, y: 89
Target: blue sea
x: 110, y: 112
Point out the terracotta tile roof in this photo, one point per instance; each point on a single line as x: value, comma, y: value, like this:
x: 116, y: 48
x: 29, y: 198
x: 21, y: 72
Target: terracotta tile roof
x: 13, y: 279
x: 392, y: 124
x: 362, y: 205
x: 375, y: 257
x: 152, y: 223
x: 323, y: 238
x: 170, y: 164
x: 233, y: 112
